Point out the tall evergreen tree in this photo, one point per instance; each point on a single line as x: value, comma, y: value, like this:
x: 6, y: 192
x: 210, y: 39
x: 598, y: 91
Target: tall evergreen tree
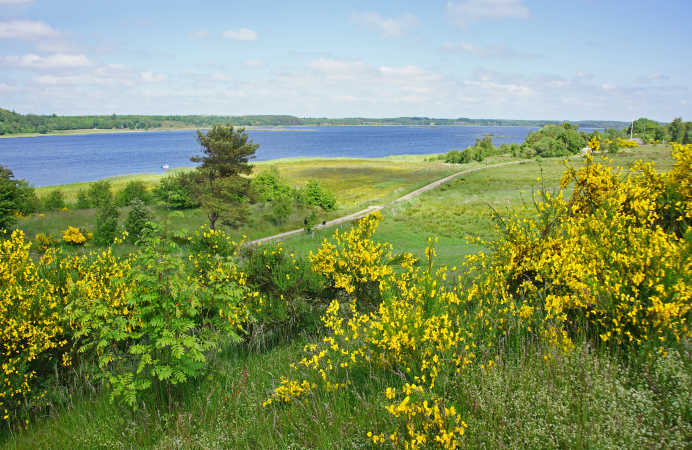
x: 220, y: 187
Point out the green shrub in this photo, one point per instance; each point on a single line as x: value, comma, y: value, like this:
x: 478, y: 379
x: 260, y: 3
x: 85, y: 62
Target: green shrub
x: 453, y: 157
x: 100, y: 194
x: 54, y: 200
x: 27, y: 201
x: 212, y: 242
x: 83, y: 201
x: 316, y: 195
x: 175, y: 191
x: 138, y: 221
x: 269, y: 186
x: 16, y: 197
x: 133, y: 190
x: 281, y: 208
x: 172, y: 320
x: 290, y: 296
x: 548, y: 146
x: 106, y: 224
x: 478, y: 152
x: 554, y: 140
x: 44, y: 241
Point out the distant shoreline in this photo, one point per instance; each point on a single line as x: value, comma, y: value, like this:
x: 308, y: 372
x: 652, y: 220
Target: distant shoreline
x: 278, y: 128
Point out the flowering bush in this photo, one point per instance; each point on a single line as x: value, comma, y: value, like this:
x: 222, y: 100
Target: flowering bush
x: 355, y: 264
x: 285, y: 296
x: 149, y: 320
x: 609, y: 263
x: 214, y: 242
x: 44, y: 241
x: 31, y: 327
x: 73, y: 236
x: 414, y: 331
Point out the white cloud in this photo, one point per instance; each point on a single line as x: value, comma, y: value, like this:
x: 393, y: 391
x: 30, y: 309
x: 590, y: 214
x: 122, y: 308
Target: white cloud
x: 57, y: 61
x: 221, y: 77
x: 337, y: 66
x: 487, y: 51
x: 653, y: 77
x: 253, y: 63
x: 55, y: 46
x: 106, y: 75
x: 199, y: 34
x: 15, y: 2
x: 4, y: 87
x: 471, y: 11
x: 151, y: 77
x: 410, y: 72
x: 241, y: 34
x: 26, y: 30
x: 388, y: 26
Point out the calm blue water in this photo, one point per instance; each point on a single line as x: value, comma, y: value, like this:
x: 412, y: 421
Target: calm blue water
x: 49, y: 160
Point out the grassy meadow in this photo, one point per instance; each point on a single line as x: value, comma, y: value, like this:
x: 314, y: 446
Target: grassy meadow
x: 460, y: 210
x: 584, y: 397
x: 357, y: 184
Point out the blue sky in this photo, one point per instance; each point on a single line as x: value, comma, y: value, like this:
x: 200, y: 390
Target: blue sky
x: 519, y: 59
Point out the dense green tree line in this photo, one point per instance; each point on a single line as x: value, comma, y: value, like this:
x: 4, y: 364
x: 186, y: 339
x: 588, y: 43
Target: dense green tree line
x: 650, y: 131
x: 14, y: 123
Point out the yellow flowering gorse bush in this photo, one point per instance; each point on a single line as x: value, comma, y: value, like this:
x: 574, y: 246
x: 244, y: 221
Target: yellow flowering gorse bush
x: 606, y: 258
x: 31, y: 326
x: 73, y: 236
x: 88, y: 306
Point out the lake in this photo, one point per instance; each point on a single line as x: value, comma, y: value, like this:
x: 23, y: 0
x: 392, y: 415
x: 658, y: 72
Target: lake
x: 51, y: 160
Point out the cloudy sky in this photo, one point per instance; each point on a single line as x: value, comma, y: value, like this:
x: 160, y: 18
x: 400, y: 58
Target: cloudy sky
x: 519, y: 59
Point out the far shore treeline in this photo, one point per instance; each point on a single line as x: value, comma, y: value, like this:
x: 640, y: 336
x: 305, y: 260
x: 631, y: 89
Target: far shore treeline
x: 14, y: 123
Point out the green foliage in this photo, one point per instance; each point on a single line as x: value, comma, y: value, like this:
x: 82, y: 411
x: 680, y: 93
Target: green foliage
x: 310, y: 221
x: 100, y: 194
x: 220, y: 187
x: 554, y: 140
x: 170, y: 323
x: 645, y: 129
x: 106, y: 224
x: 133, y: 190
x: 482, y: 149
x: 687, y: 137
x: 314, y: 194
x: 16, y: 197
x: 175, y: 191
x: 612, y: 147
x: 54, y: 200
x: 281, y: 209
x: 268, y: 186
x: 290, y: 296
x: 83, y: 201
x: 13, y: 123
x: 28, y: 201
x: 138, y: 221
x: 44, y: 241
x: 212, y: 242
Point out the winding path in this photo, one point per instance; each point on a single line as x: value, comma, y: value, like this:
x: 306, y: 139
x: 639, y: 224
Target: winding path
x: 371, y: 209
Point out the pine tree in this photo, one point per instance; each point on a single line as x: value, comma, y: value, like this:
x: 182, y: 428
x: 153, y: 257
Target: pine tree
x: 220, y: 187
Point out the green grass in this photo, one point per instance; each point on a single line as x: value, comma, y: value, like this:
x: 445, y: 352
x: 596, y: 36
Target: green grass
x: 583, y: 399
x: 460, y: 210
x: 357, y: 184
x: 578, y: 400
